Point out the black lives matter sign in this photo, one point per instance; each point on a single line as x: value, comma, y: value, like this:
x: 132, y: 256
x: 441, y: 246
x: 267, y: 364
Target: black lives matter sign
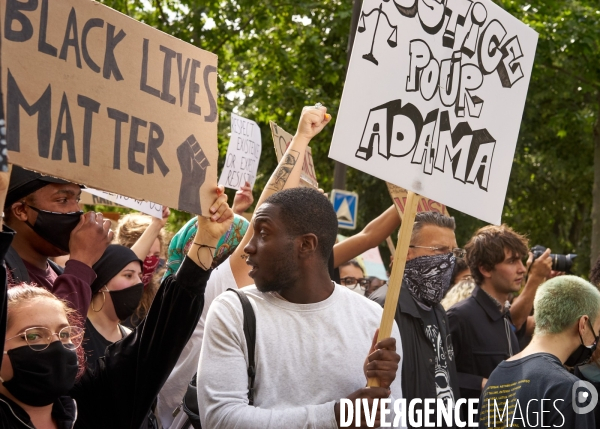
x: 95, y: 97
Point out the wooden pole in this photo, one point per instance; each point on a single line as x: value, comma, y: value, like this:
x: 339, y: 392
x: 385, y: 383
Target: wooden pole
x: 395, y: 282
x: 390, y: 244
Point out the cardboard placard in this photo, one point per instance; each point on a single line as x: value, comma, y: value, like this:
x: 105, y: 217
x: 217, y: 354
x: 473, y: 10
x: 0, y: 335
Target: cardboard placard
x: 94, y: 196
x: 399, y: 196
x: 243, y: 153
x: 97, y: 98
x: 281, y: 140
x: 434, y: 97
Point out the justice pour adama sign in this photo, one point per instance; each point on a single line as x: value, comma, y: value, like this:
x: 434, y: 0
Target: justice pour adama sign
x: 93, y: 96
x: 434, y: 98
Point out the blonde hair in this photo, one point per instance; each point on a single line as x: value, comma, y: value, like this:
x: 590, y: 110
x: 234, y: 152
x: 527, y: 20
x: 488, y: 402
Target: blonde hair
x: 459, y: 292
x: 130, y: 229
x: 132, y: 226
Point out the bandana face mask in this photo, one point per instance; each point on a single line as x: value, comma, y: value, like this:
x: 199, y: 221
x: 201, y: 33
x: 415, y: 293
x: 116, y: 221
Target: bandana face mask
x: 428, y: 277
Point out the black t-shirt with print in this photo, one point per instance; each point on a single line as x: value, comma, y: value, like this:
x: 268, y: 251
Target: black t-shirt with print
x: 442, y: 375
x: 535, y: 391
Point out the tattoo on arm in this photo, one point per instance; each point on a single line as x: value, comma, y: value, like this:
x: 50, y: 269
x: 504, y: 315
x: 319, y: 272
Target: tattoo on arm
x: 283, y: 172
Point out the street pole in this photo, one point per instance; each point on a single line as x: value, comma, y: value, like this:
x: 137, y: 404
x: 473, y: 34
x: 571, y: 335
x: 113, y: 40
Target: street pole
x: 339, y: 171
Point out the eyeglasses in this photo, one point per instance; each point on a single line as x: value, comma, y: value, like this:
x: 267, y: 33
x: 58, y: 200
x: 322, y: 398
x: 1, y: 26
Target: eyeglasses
x: 40, y: 338
x: 457, y: 251
x: 353, y: 281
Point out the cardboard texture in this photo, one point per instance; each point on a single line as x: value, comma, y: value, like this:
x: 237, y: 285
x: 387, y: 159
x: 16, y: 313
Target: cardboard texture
x: 243, y: 153
x: 399, y: 196
x: 281, y: 140
x: 434, y: 98
x: 95, y: 97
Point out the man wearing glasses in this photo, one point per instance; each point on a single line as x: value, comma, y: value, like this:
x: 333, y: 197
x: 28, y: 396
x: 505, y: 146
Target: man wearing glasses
x: 428, y: 368
x: 485, y: 328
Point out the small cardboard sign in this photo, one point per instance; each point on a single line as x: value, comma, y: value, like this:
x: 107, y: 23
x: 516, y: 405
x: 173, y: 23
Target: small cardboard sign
x: 93, y: 96
x: 399, y: 196
x: 94, y: 196
x: 243, y: 153
x: 434, y: 98
x: 281, y: 140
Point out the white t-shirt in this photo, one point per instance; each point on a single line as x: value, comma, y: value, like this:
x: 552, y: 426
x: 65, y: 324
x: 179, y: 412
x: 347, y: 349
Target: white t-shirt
x: 308, y: 356
x: 174, y: 389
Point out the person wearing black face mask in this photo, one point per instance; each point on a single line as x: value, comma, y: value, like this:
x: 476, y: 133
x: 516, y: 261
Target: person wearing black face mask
x: 42, y: 382
x: 45, y: 213
x: 116, y: 293
x: 567, y: 322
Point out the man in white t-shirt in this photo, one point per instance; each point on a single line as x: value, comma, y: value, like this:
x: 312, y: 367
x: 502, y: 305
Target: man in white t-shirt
x: 312, y: 335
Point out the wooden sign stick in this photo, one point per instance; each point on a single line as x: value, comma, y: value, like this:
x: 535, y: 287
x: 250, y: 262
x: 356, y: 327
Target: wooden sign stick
x: 390, y: 244
x: 395, y: 282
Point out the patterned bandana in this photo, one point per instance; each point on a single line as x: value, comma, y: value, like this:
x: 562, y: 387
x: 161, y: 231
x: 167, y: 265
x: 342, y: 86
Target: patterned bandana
x: 183, y: 240
x: 428, y: 277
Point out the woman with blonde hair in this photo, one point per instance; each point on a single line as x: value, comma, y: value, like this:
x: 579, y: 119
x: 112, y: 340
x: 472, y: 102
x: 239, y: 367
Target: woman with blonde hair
x: 145, y: 236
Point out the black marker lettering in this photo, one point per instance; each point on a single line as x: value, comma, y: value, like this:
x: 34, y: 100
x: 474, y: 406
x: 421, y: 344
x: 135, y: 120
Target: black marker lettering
x: 92, y: 23
x: 155, y: 139
x: 43, y: 46
x: 91, y: 107
x: 144, y: 78
x: 165, y: 95
x: 71, y: 41
x: 68, y: 136
x: 119, y: 118
x: 135, y: 145
x: 110, y: 63
x: 194, y: 89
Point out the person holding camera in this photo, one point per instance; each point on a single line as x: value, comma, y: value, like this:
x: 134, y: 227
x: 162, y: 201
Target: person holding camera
x: 484, y: 327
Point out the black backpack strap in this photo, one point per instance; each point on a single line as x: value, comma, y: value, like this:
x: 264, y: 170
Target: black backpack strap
x: 250, y: 334
x: 55, y: 267
x: 15, y: 265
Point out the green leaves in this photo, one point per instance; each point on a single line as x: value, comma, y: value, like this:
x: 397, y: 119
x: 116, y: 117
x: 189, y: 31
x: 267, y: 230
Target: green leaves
x: 277, y: 56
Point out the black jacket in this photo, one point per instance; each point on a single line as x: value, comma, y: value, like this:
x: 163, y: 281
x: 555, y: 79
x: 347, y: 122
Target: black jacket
x: 418, y: 364
x: 479, y: 332
x: 120, y: 391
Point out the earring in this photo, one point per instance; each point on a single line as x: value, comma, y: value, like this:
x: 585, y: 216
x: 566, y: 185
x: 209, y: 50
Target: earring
x: 103, y: 302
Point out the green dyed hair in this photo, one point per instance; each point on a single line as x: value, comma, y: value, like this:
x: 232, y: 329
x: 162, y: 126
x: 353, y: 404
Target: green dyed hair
x: 561, y: 301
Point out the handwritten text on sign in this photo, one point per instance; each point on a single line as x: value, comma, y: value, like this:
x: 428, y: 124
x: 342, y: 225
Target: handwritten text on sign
x: 434, y: 98
x: 243, y: 153
x: 98, y: 98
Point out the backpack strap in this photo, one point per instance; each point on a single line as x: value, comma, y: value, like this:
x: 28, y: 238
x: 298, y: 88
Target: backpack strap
x: 55, y: 267
x: 15, y: 265
x: 250, y: 334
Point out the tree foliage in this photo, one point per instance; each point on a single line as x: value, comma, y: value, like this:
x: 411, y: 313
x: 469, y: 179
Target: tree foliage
x: 277, y: 56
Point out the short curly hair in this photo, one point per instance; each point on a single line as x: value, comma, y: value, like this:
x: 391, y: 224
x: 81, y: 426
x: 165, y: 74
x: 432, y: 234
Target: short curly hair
x: 486, y: 248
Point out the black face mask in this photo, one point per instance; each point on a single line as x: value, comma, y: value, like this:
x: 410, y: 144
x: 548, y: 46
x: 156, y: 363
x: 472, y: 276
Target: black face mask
x: 583, y: 353
x: 40, y: 378
x: 126, y: 301
x: 55, y: 228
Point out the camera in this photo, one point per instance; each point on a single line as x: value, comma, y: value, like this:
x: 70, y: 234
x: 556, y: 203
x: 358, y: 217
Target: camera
x: 559, y: 262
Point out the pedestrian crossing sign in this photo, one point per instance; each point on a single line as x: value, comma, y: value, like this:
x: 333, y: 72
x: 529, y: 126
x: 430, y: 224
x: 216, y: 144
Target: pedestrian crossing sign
x: 345, y: 204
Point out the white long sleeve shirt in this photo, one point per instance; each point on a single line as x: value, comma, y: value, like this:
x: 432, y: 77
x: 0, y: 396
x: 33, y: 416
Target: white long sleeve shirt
x: 308, y: 356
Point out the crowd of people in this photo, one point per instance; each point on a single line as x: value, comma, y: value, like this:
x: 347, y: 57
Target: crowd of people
x: 134, y: 324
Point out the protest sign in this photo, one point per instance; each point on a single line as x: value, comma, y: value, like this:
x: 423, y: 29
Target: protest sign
x: 93, y: 96
x: 94, y: 196
x: 434, y: 97
x: 281, y: 140
x: 399, y: 196
x: 243, y: 153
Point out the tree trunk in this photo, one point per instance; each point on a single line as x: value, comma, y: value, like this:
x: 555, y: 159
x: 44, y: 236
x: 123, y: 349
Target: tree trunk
x: 596, y: 190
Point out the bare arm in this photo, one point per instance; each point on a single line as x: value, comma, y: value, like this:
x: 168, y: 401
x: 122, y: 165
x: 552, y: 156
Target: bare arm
x: 523, y: 304
x: 374, y: 233
x: 285, y: 176
x: 142, y: 246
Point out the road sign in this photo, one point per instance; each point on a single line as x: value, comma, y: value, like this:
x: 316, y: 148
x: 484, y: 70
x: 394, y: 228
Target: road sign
x: 345, y: 204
